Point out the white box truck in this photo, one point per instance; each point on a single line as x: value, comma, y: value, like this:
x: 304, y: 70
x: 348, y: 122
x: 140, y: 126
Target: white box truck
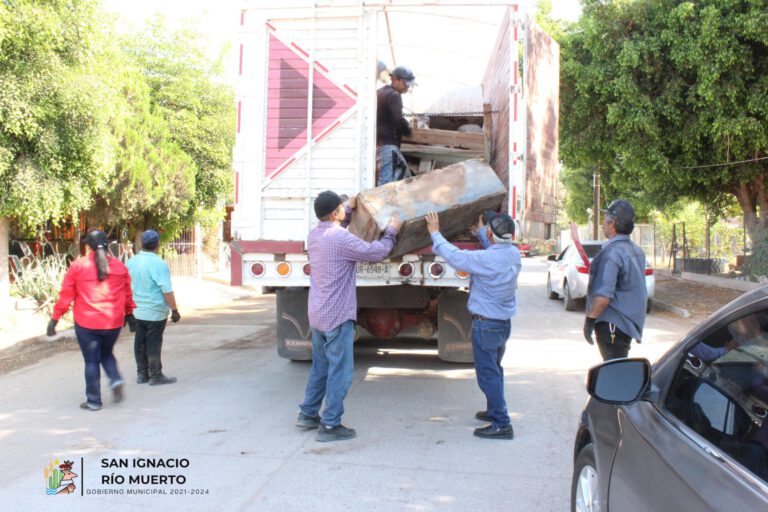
x: 306, y: 116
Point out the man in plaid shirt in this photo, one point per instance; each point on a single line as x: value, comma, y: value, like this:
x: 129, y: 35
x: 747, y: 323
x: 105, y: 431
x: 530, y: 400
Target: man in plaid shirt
x: 333, y: 254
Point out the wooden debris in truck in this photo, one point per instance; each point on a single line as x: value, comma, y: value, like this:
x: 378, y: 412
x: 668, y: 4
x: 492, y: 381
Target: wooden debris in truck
x: 459, y: 193
x: 443, y: 145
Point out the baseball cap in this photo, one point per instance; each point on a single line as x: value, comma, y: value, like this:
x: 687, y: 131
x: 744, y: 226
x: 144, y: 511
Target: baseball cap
x: 326, y: 202
x: 621, y: 210
x: 150, y: 239
x: 404, y: 74
x: 501, y: 224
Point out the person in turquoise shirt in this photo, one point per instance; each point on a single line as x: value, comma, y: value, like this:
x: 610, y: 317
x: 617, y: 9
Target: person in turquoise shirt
x: 154, y: 298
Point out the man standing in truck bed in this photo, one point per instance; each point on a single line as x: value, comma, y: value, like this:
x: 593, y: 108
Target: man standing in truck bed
x: 492, y: 287
x: 332, y: 310
x: 391, y: 126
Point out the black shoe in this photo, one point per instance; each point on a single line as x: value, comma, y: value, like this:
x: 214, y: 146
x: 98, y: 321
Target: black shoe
x: 143, y: 378
x: 162, y: 379
x: 337, y: 433
x: 89, y: 406
x: 482, y: 416
x: 491, y: 432
x: 308, y: 422
x: 117, y: 392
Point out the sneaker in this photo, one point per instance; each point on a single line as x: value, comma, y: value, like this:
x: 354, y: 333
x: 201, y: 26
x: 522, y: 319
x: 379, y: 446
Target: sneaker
x: 482, y: 416
x: 117, y: 392
x: 491, y: 432
x: 308, y: 422
x: 143, y: 378
x: 89, y: 406
x: 162, y: 379
x: 337, y: 433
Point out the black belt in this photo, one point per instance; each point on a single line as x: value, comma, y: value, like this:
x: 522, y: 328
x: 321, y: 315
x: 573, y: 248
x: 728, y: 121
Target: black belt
x: 481, y: 317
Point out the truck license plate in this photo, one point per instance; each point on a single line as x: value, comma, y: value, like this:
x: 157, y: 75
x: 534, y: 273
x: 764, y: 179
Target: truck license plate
x: 372, y: 271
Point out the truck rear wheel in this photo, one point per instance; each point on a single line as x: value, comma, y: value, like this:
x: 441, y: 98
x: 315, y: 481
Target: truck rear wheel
x: 454, y: 327
x: 294, y: 337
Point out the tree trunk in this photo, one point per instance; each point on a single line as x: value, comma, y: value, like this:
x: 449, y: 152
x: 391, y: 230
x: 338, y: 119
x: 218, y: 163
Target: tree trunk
x: 753, y: 200
x: 5, y: 282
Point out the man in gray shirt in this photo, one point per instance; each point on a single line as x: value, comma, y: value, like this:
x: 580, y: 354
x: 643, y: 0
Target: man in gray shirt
x: 616, y: 295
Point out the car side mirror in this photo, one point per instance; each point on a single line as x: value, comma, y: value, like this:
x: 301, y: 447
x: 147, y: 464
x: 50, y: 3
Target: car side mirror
x: 552, y: 257
x: 619, y: 381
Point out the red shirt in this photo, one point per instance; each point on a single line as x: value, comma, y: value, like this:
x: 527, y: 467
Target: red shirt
x: 98, y: 304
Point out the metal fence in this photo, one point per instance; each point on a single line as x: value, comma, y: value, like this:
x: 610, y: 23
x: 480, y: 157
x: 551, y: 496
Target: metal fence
x: 184, y: 253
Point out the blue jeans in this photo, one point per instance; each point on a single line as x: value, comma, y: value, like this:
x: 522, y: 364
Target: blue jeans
x: 331, y: 373
x: 96, y: 346
x: 489, y: 341
x: 386, y: 165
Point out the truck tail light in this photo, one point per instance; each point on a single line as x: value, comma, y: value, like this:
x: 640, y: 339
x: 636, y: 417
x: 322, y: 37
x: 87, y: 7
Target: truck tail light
x: 307, y: 269
x: 649, y: 271
x: 582, y: 269
x: 257, y: 269
x: 283, y: 269
x: 405, y: 269
x: 436, y: 270
x: 461, y: 274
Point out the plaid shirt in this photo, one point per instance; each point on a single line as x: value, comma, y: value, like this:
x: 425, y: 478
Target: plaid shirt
x: 333, y: 254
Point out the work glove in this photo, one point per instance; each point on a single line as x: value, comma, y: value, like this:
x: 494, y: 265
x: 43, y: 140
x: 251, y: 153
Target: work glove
x: 589, y: 328
x: 175, y: 316
x: 51, y: 331
x: 130, y: 321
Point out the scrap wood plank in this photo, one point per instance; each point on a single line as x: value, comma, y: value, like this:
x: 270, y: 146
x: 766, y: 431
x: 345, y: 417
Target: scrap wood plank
x: 440, y: 153
x: 448, y: 138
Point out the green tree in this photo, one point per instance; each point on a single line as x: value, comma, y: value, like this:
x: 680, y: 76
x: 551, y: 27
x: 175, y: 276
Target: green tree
x: 186, y: 89
x: 654, y: 92
x: 53, y: 127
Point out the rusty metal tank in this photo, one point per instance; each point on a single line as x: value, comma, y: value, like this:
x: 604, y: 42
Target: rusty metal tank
x: 459, y: 193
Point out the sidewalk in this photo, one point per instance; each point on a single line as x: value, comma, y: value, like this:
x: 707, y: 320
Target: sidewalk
x: 22, y: 331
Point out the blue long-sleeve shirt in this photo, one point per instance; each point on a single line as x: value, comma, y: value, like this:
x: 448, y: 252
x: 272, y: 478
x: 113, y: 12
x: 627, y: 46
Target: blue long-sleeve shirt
x: 493, y: 274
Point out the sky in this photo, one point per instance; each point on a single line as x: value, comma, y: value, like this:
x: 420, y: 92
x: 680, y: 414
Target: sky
x: 219, y: 19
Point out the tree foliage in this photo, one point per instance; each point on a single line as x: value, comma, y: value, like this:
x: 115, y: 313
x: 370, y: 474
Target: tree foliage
x: 654, y: 92
x: 200, y: 110
x: 53, y: 132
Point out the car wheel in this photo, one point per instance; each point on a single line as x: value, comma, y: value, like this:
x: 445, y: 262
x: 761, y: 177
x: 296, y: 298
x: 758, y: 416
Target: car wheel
x: 649, y: 306
x: 550, y: 294
x: 584, y: 488
x: 569, y: 302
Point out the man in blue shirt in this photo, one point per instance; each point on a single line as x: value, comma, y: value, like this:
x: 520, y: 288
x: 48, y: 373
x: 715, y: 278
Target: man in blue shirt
x: 494, y: 273
x: 616, y: 294
x: 154, y: 298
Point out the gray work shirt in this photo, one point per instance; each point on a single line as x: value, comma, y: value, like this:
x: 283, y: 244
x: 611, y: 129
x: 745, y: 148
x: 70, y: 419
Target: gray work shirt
x: 618, y: 273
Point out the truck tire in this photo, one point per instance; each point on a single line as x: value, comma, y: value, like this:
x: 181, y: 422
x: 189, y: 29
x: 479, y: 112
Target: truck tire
x: 454, y: 327
x: 294, y: 337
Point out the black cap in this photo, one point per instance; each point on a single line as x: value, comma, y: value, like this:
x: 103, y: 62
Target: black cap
x: 404, y: 74
x: 150, y: 239
x: 501, y: 224
x: 326, y: 202
x: 621, y: 210
x: 95, y: 239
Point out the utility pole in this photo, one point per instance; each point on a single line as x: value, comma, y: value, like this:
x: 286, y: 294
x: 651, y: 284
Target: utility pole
x: 596, y: 204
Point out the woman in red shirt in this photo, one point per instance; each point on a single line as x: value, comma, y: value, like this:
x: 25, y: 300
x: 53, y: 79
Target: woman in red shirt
x: 100, y: 287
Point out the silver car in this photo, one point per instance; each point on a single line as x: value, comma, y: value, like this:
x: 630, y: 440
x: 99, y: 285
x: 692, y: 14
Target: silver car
x: 689, y: 432
x: 568, y: 276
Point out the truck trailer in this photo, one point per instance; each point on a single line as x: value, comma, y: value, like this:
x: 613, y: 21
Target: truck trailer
x: 306, y: 116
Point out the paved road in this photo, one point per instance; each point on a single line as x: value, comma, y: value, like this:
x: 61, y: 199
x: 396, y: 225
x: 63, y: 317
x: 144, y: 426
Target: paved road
x: 231, y: 418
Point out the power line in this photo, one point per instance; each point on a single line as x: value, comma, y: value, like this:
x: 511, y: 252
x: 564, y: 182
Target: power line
x: 727, y: 163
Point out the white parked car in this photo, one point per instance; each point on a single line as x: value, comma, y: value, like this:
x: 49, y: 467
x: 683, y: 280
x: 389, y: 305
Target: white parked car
x: 568, y: 276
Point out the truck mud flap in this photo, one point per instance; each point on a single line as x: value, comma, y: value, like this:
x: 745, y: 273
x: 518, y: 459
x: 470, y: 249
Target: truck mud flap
x: 294, y: 337
x: 454, y: 327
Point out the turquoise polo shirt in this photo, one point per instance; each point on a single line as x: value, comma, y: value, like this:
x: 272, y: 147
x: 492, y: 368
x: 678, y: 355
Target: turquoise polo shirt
x: 150, y: 279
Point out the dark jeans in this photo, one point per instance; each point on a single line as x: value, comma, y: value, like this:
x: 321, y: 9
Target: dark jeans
x: 96, y: 346
x: 489, y: 341
x: 147, y: 346
x: 611, y: 350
